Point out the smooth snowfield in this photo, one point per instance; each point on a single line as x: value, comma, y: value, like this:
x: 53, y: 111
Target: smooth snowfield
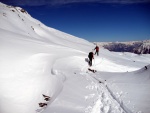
x: 36, y: 60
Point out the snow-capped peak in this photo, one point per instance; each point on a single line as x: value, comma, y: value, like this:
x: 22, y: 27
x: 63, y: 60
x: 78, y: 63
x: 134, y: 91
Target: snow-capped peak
x: 138, y: 47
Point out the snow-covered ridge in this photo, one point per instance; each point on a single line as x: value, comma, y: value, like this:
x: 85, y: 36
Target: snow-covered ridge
x: 16, y: 19
x: 138, y: 47
x: 28, y: 53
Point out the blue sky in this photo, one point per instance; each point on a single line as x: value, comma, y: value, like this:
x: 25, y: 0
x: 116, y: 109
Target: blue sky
x: 93, y: 20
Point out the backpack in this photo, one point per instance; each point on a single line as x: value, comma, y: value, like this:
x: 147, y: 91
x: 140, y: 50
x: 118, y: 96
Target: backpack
x: 90, y: 55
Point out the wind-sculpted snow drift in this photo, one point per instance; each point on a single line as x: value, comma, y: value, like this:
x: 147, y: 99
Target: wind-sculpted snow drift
x: 37, y: 60
x: 28, y: 51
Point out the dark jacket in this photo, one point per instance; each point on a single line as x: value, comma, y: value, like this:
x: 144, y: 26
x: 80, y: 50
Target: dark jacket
x: 91, y: 55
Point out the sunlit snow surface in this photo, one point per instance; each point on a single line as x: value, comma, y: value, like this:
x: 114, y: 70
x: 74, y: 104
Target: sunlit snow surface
x: 36, y: 60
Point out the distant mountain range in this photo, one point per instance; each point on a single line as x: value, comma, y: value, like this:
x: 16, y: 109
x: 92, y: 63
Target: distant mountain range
x: 138, y: 47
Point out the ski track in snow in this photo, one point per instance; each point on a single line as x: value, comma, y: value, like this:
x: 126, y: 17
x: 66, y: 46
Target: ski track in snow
x: 103, y: 101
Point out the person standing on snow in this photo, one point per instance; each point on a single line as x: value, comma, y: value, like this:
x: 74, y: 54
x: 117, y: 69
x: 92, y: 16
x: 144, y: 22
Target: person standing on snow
x: 97, y: 50
x: 90, y: 56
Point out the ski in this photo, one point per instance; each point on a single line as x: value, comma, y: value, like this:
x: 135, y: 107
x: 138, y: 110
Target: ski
x: 92, y: 70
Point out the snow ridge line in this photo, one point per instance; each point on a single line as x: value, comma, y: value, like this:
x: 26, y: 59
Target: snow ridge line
x: 113, y: 96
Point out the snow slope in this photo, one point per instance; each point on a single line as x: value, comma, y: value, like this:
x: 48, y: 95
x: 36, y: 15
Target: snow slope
x: 130, y: 88
x: 36, y: 60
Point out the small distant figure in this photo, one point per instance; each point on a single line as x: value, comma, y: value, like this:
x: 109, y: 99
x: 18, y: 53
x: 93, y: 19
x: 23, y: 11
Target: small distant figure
x: 42, y: 104
x: 47, y: 98
x: 90, y: 56
x: 97, y: 50
x: 145, y: 67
